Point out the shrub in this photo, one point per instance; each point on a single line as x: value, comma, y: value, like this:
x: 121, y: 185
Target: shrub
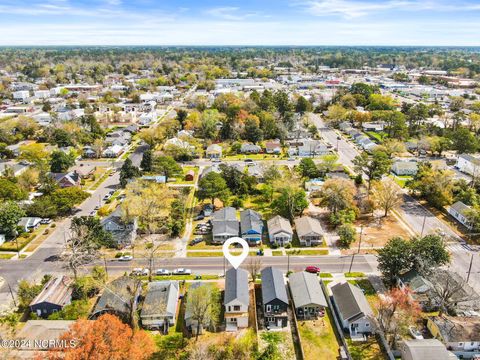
x: 288, y: 246
x: 347, y: 235
x: 118, y: 254
x: 54, y: 225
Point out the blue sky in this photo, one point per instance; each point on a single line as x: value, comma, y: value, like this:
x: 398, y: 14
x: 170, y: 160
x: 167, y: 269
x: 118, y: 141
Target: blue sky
x: 247, y: 22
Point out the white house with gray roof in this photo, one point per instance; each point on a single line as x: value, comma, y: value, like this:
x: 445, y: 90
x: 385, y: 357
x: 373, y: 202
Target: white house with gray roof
x: 355, y: 314
x: 468, y: 164
x: 402, y: 168
x: 308, y: 297
x: 279, y: 230
x: 425, y: 349
x: 460, y: 212
x: 236, y: 299
x: 160, y: 306
x: 224, y: 225
x: 309, y: 231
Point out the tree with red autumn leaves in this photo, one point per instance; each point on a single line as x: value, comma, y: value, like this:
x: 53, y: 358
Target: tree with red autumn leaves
x: 396, y: 310
x: 106, y: 338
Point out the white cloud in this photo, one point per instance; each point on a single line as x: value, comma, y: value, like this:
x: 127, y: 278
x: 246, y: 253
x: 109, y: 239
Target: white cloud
x: 226, y: 13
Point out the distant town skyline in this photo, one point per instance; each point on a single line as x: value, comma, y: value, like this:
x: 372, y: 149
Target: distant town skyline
x: 249, y: 22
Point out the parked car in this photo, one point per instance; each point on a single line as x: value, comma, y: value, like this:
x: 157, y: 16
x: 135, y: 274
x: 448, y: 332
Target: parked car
x: 182, y: 271
x: 45, y: 221
x: 248, y: 160
x: 415, y: 333
x: 199, y: 217
x: 125, y: 258
x: 162, y: 272
x: 196, y: 241
x: 291, y: 159
x: 93, y: 213
x: 312, y: 269
x: 215, y: 160
x: 140, y: 272
x: 96, y: 207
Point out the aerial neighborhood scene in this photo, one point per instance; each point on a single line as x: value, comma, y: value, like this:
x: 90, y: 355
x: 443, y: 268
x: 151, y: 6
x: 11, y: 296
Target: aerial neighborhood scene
x: 225, y: 180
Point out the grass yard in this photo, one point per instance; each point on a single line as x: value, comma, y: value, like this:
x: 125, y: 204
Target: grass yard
x: 180, y: 277
x: 368, y: 290
x: 6, y: 256
x: 252, y: 156
x: 308, y: 252
x: 25, y: 239
x: 401, y: 180
x: 213, y: 253
x: 376, y: 232
x: 318, y: 339
x: 366, y: 350
x: 186, y: 169
x: 99, y: 172
x: 100, y: 180
x: 354, y: 274
x: 326, y: 275
x: 277, y: 253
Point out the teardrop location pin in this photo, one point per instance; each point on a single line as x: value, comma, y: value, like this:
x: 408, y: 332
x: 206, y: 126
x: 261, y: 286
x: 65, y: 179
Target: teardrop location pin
x: 235, y: 260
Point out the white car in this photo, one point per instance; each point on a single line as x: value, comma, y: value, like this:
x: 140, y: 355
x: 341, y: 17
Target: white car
x: 182, y: 271
x: 140, y: 272
x: 125, y: 258
x: 415, y: 333
x: 162, y: 272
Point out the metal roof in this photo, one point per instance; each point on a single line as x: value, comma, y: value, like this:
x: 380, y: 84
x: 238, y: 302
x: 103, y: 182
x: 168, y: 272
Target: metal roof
x: 273, y: 285
x: 306, y: 289
x: 236, y: 286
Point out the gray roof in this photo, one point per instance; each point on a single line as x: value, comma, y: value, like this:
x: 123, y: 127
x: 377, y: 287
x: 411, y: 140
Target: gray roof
x: 236, y: 286
x: 306, y: 289
x: 225, y: 222
x: 279, y: 224
x: 227, y: 213
x: 425, y: 349
x: 471, y: 158
x: 161, y: 298
x: 460, y: 207
x: 307, y: 225
x: 273, y: 285
x: 116, y: 295
x: 251, y: 220
x: 350, y: 301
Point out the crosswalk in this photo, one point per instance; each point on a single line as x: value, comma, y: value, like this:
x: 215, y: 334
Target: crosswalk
x: 459, y: 247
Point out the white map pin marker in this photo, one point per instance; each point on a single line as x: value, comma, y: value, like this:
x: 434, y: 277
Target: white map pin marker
x: 235, y: 260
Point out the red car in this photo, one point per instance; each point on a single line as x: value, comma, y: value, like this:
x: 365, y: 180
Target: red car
x: 312, y: 269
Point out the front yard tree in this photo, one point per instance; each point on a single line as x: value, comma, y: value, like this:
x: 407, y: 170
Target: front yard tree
x: 146, y: 163
x: 386, y: 195
x: 307, y: 168
x: 95, y: 232
x: 337, y: 195
x: 60, y: 161
x: 212, y: 186
x: 347, y: 233
x: 127, y: 172
x: 167, y: 166
x: 373, y: 165
x: 303, y: 105
x: 200, y: 306
x: 10, y: 214
x: 291, y: 202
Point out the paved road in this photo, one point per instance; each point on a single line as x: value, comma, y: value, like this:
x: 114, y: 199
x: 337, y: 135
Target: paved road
x: 417, y: 217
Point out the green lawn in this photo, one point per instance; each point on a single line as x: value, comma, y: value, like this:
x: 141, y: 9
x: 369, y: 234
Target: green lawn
x: 318, y: 339
x: 251, y: 156
x: 367, y: 350
x: 378, y: 137
x: 308, y: 252
x: 180, y: 277
x: 277, y: 253
x: 23, y: 240
x: 326, y: 275
x: 354, y: 274
x: 6, y: 256
x: 212, y: 253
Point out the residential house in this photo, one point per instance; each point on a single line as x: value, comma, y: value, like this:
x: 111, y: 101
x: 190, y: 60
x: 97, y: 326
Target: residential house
x: 425, y: 349
x: 310, y: 147
x: 273, y: 147
x: 279, y: 231
x: 3, y: 238
x: 314, y: 184
x: 113, y: 151
x: 14, y: 168
x: 402, y: 168
x: 84, y: 171
x: 29, y: 223
x: 468, y: 164
x: 66, y: 180
x: 56, y: 294
x: 250, y: 149
x: 123, y: 232
x: 460, y: 212
x: 38, y: 335
x: 459, y: 333
x: 274, y: 298
x: 159, y: 179
x: 236, y: 299
x: 307, y: 294
x: 251, y: 226
x: 354, y: 312
x: 176, y: 143
x: 89, y: 153
x: 119, y: 298
x: 421, y: 289
x: 376, y: 127
x: 224, y: 225
x: 160, y: 305
x: 309, y: 231
x: 214, y: 151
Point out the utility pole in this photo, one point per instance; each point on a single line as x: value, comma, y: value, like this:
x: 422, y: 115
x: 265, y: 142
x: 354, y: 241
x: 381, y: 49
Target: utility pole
x: 351, y: 264
x: 105, y: 265
x: 360, y: 240
x: 11, y: 294
x: 288, y: 262
x: 423, y: 225
x: 469, y: 268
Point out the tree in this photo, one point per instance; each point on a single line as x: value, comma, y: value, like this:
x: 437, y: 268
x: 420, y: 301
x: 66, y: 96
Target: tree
x: 373, y: 165
x: 127, y: 172
x: 252, y: 131
x: 291, y: 201
x: 209, y: 121
x: 212, y: 186
x: 10, y: 214
x: 438, y: 144
x: 463, y: 141
x: 176, y: 220
x: 9, y: 190
x: 336, y: 114
x: 395, y: 123
x: 105, y: 338
x: 167, y: 166
x: 393, y: 147
x: 347, y: 235
x: 386, y: 195
x: 254, y: 265
x: 433, y: 184
x: 147, y: 161
x: 381, y: 102
x: 307, y: 168
x: 200, y: 305
x: 303, y: 105
x: 59, y: 202
x: 149, y: 202
x: 327, y: 163
x: 95, y: 231
x: 27, y: 292
x: 396, y: 310
x: 182, y: 116
x: 337, y: 195
x: 35, y: 153
x: 60, y: 161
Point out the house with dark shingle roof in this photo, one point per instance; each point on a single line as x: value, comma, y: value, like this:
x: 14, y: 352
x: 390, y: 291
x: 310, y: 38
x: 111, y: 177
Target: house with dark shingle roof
x: 308, y: 297
x: 123, y: 232
x: 160, y: 305
x: 251, y: 225
x: 236, y: 299
x: 353, y: 309
x: 56, y: 293
x: 224, y: 225
x: 274, y: 298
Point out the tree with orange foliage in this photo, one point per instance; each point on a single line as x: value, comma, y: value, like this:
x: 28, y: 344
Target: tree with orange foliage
x: 102, y: 339
x: 396, y: 310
